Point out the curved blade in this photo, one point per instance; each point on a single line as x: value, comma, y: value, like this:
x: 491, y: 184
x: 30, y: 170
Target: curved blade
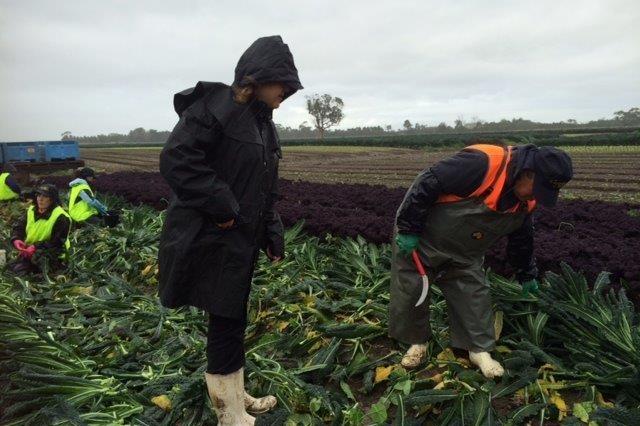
x: 425, y: 290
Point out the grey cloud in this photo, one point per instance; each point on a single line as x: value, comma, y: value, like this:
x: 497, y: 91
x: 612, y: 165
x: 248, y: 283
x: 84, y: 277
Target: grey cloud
x: 110, y: 66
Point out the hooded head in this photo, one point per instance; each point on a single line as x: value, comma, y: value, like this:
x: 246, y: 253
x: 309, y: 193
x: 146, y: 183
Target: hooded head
x: 553, y: 169
x: 541, y: 172
x: 267, y: 60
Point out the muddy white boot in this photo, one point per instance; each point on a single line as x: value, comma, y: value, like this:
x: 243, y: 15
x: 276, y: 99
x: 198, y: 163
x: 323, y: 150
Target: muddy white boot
x: 490, y: 367
x: 259, y: 405
x: 227, y: 396
x: 414, y: 356
x: 256, y: 405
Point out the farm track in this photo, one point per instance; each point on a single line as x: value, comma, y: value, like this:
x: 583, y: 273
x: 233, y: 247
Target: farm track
x: 621, y: 185
x: 610, y: 176
x: 410, y: 175
x: 120, y: 159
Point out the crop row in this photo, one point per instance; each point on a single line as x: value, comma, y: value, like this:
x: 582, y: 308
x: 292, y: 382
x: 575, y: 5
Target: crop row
x: 95, y: 347
x: 591, y: 236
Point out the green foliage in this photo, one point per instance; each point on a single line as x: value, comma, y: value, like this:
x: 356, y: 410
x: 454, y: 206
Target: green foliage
x: 590, y: 137
x: 93, y: 346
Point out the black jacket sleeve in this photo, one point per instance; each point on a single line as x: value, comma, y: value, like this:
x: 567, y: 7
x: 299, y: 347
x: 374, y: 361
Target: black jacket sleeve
x: 184, y: 166
x: 520, y: 251
x: 13, y: 184
x: 274, y: 230
x: 19, y: 229
x: 424, y: 192
x: 58, y: 235
x: 459, y: 175
x: 273, y: 224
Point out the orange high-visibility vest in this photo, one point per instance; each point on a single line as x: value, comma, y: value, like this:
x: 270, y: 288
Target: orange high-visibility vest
x: 494, y: 181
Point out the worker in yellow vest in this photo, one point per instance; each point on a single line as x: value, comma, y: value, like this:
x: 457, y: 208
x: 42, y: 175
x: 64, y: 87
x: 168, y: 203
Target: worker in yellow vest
x: 9, y: 188
x: 83, y: 205
x: 42, y: 236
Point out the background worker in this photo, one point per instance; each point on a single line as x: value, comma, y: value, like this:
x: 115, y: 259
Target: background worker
x: 452, y: 213
x: 9, y: 188
x: 84, y: 207
x: 42, y: 236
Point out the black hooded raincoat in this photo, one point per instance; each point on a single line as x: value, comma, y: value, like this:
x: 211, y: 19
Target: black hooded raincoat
x: 221, y: 161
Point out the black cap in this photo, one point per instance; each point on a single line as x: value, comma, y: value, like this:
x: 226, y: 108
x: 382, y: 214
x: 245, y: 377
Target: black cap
x: 48, y: 190
x: 86, y: 172
x: 553, y: 170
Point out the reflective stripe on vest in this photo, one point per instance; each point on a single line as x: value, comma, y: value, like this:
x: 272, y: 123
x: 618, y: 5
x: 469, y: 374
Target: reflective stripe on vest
x: 80, y: 210
x: 6, y: 193
x: 40, y: 230
x: 494, y: 181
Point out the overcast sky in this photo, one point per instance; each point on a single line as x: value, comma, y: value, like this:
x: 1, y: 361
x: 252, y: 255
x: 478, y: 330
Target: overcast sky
x: 106, y: 66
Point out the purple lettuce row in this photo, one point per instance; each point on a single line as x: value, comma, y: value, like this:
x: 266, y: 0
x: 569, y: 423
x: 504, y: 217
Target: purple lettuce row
x: 591, y: 236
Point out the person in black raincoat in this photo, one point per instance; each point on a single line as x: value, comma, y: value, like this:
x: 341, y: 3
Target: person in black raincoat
x: 221, y: 162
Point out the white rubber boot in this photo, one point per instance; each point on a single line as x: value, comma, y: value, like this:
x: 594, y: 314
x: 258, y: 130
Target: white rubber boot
x: 414, y: 356
x: 259, y: 405
x: 256, y: 405
x: 227, y: 396
x: 490, y: 367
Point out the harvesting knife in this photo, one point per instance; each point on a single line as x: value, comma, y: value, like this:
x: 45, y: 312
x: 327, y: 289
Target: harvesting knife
x: 423, y: 275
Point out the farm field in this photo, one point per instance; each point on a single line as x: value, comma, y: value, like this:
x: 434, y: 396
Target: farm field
x: 98, y: 336
x: 603, y: 173
x: 94, y: 346
x: 591, y: 236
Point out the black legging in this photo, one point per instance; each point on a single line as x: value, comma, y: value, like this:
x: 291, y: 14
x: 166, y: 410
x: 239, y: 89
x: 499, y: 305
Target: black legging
x: 225, y: 344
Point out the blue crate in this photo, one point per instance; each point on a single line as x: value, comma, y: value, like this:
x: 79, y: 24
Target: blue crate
x: 22, y: 151
x: 61, y: 151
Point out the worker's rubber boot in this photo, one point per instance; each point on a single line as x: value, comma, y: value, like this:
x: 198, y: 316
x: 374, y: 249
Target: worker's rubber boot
x: 490, y: 367
x: 227, y: 396
x: 258, y: 405
x: 414, y: 356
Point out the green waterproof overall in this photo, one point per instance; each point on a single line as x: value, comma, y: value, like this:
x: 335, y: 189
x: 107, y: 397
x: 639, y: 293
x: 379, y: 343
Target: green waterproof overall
x: 452, y: 248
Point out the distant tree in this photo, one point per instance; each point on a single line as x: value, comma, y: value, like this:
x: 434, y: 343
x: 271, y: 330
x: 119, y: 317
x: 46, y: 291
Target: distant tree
x: 407, y: 125
x: 325, y: 110
x: 443, y: 126
x: 459, y: 124
x: 388, y: 128
x: 628, y: 117
x: 66, y: 135
x: 137, y: 135
x: 304, y: 127
x: 572, y: 121
x: 475, y: 124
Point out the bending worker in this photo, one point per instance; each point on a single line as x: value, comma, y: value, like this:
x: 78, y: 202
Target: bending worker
x: 83, y: 205
x: 453, y: 212
x: 9, y: 188
x: 42, y: 236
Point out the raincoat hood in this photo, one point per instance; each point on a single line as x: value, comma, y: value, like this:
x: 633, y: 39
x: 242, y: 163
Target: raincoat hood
x: 268, y: 60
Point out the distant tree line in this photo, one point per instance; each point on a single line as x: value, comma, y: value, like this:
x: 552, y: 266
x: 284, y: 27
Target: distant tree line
x: 306, y: 130
x: 138, y: 135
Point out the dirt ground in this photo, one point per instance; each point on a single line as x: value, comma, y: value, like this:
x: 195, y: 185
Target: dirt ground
x: 605, y: 173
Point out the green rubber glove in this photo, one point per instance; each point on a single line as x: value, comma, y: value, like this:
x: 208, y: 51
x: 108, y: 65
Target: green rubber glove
x: 407, y: 242
x: 530, y: 287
